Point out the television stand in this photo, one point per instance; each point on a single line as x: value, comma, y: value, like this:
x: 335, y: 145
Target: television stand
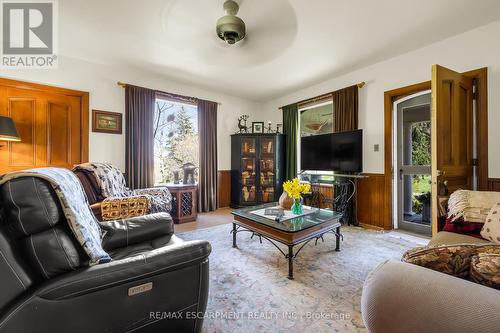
x: 343, y: 197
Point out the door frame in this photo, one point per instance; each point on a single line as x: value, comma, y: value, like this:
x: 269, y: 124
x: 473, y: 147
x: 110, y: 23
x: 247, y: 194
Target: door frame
x: 389, y: 98
x: 480, y: 81
x: 480, y: 77
x: 397, y: 205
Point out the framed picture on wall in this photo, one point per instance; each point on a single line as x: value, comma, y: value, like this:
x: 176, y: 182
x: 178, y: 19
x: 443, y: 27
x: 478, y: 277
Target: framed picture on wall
x: 258, y: 127
x: 106, y: 122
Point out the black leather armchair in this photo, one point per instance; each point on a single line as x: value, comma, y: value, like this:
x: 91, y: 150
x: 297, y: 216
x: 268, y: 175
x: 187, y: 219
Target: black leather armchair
x: 155, y: 282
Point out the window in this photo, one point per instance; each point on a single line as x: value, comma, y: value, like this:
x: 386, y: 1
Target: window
x: 420, y: 155
x: 175, y: 138
x: 420, y: 143
x: 316, y: 119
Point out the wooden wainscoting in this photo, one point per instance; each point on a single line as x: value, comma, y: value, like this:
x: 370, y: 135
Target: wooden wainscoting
x: 326, y: 191
x: 370, y: 202
x: 494, y: 184
x: 223, y: 188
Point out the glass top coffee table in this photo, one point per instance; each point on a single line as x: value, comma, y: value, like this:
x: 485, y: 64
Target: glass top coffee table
x: 292, y: 232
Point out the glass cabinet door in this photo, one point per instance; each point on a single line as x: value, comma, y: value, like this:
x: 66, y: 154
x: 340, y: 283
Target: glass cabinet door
x: 267, y: 147
x: 248, y: 147
x: 248, y: 171
x: 266, y: 169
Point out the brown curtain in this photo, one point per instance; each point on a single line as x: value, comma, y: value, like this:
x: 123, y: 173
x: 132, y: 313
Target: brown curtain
x: 345, y: 109
x: 207, y: 180
x: 139, y: 116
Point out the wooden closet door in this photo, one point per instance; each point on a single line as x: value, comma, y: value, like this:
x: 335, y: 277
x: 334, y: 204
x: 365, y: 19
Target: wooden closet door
x: 27, y: 111
x: 51, y: 126
x: 63, y: 130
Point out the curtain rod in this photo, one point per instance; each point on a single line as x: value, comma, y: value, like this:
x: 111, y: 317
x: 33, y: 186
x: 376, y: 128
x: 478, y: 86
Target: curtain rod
x: 187, y: 98
x: 309, y: 100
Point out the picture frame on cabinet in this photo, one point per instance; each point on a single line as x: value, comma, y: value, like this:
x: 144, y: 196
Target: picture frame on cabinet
x: 258, y: 127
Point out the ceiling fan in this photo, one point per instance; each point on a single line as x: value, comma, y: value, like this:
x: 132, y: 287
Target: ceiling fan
x: 230, y: 28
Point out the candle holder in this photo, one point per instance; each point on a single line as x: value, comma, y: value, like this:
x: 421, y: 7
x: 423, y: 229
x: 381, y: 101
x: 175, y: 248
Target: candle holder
x: 269, y: 128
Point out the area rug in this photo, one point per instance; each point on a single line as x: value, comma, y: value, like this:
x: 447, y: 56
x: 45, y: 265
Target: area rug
x: 249, y: 290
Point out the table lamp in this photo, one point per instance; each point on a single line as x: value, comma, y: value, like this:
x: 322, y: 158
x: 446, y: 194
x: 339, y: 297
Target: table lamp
x: 8, y: 131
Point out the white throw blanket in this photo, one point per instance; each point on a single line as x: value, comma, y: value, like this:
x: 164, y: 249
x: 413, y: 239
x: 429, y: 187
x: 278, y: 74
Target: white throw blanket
x: 81, y: 220
x: 472, y: 206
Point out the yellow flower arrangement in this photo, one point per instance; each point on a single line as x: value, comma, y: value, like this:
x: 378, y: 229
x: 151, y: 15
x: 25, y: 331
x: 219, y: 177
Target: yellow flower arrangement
x: 294, y: 188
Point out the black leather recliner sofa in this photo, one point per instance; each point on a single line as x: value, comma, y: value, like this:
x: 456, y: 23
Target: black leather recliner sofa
x: 155, y: 282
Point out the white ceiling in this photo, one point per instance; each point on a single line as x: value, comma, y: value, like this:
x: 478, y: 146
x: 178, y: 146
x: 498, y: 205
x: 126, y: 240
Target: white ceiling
x: 291, y: 44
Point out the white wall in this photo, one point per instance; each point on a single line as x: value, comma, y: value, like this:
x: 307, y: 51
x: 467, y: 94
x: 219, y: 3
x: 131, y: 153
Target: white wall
x: 474, y: 49
x: 470, y: 50
x: 100, y: 81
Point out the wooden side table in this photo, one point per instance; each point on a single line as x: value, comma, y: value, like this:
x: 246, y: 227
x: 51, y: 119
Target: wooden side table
x: 184, y: 202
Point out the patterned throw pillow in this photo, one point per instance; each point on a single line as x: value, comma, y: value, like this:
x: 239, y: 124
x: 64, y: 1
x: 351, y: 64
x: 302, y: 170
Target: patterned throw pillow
x: 124, y: 208
x: 485, y: 269
x: 491, y: 228
x: 450, y: 259
x: 453, y: 260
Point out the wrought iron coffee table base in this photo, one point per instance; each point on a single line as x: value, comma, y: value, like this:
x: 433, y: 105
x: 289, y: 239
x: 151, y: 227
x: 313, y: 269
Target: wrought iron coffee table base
x: 290, y: 256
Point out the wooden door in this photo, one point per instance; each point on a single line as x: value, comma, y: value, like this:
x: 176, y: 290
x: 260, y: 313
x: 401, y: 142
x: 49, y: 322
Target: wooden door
x: 52, y: 124
x: 451, y: 132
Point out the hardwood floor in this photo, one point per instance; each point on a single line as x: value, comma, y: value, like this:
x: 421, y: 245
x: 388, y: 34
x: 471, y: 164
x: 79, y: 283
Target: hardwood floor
x: 206, y: 220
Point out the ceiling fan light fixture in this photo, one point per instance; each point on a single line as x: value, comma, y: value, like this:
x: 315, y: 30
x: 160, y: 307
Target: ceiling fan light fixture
x: 230, y: 28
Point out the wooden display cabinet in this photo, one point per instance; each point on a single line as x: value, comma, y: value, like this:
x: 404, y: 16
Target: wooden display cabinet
x: 257, y: 168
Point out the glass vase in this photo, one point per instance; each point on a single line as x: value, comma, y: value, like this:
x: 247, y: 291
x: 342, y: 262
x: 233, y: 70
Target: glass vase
x: 297, y: 206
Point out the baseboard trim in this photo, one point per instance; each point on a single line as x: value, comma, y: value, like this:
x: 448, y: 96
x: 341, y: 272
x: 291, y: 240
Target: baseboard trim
x: 369, y: 226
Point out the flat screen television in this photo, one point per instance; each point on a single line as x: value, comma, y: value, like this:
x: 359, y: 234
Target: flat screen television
x: 340, y: 152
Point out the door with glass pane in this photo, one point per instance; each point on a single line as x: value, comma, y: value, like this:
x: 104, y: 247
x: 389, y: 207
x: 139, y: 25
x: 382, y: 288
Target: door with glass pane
x: 414, y: 163
x: 267, y: 179
x: 248, y: 170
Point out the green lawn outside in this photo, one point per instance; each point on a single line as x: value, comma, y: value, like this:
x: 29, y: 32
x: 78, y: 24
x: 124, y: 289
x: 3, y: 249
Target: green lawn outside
x: 421, y: 184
